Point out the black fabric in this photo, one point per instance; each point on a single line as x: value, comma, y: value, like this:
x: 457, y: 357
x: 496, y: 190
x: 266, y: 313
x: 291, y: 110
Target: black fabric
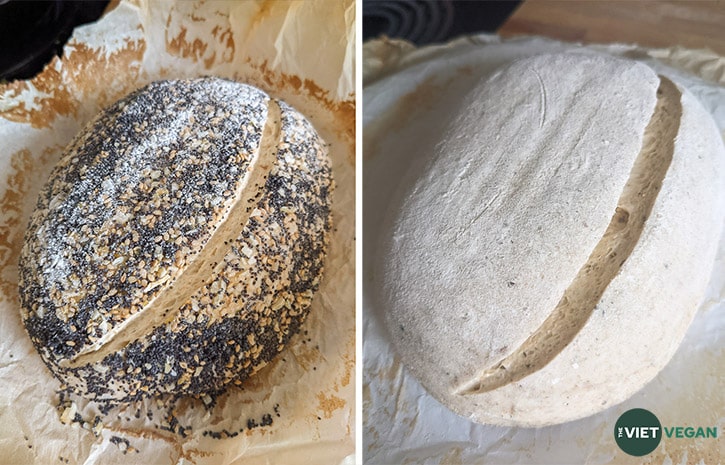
x: 31, y: 33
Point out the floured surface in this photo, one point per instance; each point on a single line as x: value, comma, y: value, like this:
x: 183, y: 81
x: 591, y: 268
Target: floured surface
x: 502, y: 203
x: 400, y: 418
x: 625, y: 228
x: 299, y: 407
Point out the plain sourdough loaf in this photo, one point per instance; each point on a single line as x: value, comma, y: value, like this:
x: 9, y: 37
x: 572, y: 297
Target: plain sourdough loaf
x: 548, y: 260
x: 178, y: 243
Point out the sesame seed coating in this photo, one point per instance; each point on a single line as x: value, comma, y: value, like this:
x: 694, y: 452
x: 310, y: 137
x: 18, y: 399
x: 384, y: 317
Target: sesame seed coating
x: 136, y: 197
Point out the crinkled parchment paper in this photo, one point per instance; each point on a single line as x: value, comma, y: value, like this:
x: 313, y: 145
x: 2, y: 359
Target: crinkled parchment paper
x: 299, y: 409
x: 406, y: 91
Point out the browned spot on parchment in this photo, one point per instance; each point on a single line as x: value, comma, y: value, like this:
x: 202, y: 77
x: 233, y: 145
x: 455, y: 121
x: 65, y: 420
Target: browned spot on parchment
x: 179, y: 46
x: 54, y: 98
x: 196, y: 19
x: 328, y: 404
x: 210, y: 61
x: 226, y: 38
x: 121, y: 68
x: 27, y: 173
x: 348, y: 357
x: 58, y: 91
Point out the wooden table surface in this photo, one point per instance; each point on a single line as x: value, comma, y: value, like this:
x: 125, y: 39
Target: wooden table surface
x: 689, y: 23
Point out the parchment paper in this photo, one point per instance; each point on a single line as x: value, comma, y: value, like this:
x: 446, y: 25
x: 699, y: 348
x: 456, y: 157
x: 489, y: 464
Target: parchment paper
x: 406, y: 90
x: 299, y: 409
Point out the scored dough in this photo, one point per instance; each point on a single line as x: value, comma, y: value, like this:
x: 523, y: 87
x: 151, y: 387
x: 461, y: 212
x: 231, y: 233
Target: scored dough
x: 178, y: 243
x: 520, y: 190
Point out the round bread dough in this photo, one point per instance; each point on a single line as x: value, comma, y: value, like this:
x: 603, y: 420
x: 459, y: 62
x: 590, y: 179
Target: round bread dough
x: 178, y: 243
x: 504, y: 286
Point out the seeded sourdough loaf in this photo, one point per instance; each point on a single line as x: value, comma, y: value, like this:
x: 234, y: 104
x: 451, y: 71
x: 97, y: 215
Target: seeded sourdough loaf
x: 177, y: 244
x: 548, y: 260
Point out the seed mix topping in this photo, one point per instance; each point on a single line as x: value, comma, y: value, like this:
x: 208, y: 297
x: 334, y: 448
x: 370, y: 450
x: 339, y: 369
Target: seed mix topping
x: 237, y: 322
x: 134, y: 199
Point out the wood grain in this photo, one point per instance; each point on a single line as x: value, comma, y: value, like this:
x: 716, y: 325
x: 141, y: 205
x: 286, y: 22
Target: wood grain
x: 691, y: 23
